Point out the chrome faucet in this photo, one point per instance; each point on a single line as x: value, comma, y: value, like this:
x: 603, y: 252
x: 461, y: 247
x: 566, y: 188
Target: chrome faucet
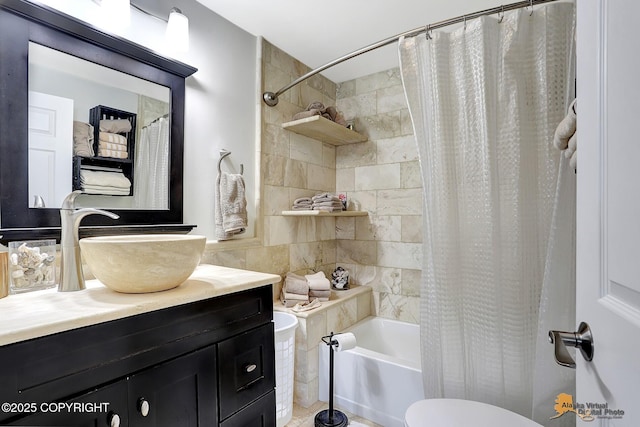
x: 71, y: 277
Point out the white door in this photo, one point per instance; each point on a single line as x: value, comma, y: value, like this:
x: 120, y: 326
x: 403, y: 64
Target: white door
x: 608, y: 208
x: 50, y: 148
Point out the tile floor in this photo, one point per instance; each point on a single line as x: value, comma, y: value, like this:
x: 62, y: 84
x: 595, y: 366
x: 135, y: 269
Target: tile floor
x: 303, y: 417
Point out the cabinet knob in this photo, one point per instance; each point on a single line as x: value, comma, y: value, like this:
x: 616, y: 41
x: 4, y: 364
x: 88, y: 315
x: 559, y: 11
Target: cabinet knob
x: 143, y: 406
x: 113, y: 419
x: 250, y: 368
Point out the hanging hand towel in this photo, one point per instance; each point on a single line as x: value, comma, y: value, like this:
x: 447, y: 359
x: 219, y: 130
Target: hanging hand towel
x: 231, y: 206
x: 566, y: 128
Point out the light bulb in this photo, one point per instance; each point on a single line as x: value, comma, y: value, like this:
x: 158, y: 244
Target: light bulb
x: 177, y: 34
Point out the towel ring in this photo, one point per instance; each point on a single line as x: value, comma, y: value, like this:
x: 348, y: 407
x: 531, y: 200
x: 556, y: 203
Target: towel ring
x: 224, y: 153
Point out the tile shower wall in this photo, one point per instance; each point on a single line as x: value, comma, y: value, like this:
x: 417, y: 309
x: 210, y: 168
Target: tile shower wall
x: 381, y: 176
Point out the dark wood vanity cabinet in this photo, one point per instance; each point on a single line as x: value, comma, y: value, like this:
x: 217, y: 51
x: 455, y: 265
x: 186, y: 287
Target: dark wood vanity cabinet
x: 202, y: 364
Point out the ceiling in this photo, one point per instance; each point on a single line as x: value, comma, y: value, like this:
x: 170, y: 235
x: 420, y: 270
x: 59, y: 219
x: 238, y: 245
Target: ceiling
x: 317, y: 32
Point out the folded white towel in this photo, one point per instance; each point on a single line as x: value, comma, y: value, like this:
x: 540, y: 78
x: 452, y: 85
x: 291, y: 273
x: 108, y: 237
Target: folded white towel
x: 109, y: 191
x: 113, y: 153
x: 318, y: 281
x: 113, y: 138
x: 103, y: 145
x: 82, y: 139
x: 325, y: 196
x: 231, y: 206
x: 319, y: 294
x: 115, y: 126
x: 295, y: 284
x: 104, y: 179
x: 334, y: 204
x: 297, y: 297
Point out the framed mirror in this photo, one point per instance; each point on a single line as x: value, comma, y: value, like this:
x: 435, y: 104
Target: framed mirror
x: 54, y: 67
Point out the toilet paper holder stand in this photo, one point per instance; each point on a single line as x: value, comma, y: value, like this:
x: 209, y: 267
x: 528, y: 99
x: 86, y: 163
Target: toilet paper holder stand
x: 330, y: 417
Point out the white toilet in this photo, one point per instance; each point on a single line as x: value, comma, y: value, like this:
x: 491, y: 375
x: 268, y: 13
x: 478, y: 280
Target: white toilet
x: 462, y: 413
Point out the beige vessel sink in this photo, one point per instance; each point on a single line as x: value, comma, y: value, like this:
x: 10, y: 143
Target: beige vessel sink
x: 143, y: 263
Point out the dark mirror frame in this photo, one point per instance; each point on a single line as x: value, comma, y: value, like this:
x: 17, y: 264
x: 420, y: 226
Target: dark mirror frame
x: 22, y: 22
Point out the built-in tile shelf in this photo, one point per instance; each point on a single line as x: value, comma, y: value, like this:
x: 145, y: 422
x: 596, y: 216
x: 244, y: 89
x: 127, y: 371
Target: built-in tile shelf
x: 324, y: 213
x: 317, y: 127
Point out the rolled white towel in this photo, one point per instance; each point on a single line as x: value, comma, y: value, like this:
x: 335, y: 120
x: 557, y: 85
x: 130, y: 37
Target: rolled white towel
x: 318, y: 281
x: 289, y: 300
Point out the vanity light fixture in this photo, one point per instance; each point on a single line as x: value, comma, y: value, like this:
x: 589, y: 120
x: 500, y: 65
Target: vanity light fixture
x: 118, y: 13
x: 177, y: 33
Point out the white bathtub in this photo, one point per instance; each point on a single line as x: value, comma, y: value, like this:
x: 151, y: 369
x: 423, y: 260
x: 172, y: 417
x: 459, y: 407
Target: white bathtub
x: 381, y: 377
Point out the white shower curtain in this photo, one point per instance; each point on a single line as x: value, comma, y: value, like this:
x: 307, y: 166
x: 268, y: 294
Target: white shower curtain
x: 485, y: 101
x: 151, y: 169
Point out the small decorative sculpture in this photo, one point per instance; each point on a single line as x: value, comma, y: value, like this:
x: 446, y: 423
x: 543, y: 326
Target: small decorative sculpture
x: 340, y: 278
x: 31, y: 268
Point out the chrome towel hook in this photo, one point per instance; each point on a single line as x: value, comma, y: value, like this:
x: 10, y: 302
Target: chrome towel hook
x: 224, y: 153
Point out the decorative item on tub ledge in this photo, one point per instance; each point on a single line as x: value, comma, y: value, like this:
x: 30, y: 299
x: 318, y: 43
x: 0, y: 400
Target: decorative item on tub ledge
x: 340, y: 279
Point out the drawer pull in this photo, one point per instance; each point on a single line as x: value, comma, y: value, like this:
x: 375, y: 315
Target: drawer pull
x: 251, y: 383
x: 250, y: 368
x: 143, y: 406
x: 113, y: 419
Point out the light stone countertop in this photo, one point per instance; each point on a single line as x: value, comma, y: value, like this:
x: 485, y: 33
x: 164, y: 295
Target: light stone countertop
x: 39, y: 313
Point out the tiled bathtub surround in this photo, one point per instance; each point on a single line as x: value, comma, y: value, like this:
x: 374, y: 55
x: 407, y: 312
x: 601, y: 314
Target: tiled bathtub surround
x: 381, y: 176
x: 344, y: 309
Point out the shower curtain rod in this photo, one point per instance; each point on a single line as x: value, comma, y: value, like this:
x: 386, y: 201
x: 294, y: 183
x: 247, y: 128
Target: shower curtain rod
x: 271, y: 98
